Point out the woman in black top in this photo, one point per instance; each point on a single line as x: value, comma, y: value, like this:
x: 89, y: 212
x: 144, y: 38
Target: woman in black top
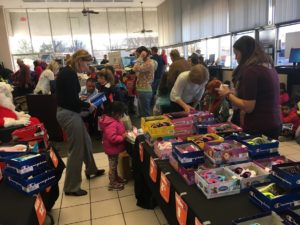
x: 69, y: 106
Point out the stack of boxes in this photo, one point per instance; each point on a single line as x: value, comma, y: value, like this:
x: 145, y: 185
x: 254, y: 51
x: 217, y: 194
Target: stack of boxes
x: 30, y: 173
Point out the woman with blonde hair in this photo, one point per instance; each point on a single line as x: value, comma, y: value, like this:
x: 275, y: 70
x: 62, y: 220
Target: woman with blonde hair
x: 43, y: 85
x: 68, y: 116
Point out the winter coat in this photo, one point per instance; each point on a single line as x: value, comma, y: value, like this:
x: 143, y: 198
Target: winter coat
x: 113, y: 130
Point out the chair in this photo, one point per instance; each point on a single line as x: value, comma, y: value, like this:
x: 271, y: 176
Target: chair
x: 44, y: 108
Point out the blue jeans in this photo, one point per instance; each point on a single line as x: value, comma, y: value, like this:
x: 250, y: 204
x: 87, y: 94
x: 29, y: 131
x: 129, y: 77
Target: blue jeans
x: 144, y: 103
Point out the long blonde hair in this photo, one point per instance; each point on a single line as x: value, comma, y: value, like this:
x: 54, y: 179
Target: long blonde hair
x: 80, y: 54
x: 53, y: 66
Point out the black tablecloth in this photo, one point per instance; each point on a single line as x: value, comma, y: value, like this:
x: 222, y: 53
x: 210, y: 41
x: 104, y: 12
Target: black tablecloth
x: 220, y: 211
x: 16, y: 208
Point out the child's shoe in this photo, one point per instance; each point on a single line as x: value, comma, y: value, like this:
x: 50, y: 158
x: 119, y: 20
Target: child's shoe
x: 115, y: 186
x: 121, y: 180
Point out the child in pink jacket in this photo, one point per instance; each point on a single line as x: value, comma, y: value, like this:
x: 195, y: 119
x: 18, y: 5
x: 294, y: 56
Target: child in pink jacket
x: 113, y: 141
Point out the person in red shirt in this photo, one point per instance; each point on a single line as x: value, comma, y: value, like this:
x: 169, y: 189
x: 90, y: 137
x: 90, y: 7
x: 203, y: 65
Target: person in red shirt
x: 289, y: 119
x: 284, y: 96
x: 37, y: 70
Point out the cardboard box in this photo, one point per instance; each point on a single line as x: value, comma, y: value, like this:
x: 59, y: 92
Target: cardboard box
x: 292, y: 216
x: 227, y: 152
x: 202, y: 138
x: 263, y: 218
x: 219, y: 188
x: 180, y: 118
x: 33, y: 183
x: 267, y: 163
x: 187, y: 149
x: 147, y: 121
x: 287, y: 175
x: 163, y: 146
x: 261, y: 146
x: 188, y: 161
x: 261, y: 176
x: 26, y: 164
x: 188, y: 174
x: 222, y: 128
x: 282, y: 202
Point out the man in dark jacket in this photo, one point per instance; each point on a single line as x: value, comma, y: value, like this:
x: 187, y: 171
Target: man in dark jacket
x: 179, y: 65
x: 159, y: 71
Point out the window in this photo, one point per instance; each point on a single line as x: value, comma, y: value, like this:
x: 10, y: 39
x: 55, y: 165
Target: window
x: 202, y: 47
x: 40, y: 30
x: 117, y: 28
x: 19, y: 36
x: 282, y: 56
x: 100, y: 33
x: 80, y: 30
x: 61, y: 30
x: 224, y: 51
x: 212, y: 50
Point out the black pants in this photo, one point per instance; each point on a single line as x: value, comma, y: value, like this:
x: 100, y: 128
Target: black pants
x: 271, y: 133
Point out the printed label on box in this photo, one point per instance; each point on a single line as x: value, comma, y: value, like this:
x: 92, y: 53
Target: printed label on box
x: 141, y: 151
x: 40, y: 210
x: 197, y: 222
x: 53, y: 158
x: 164, y: 187
x: 153, y: 170
x: 181, y: 210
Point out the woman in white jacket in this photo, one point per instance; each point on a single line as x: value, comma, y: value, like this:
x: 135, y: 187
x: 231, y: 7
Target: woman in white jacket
x: 43, y: 85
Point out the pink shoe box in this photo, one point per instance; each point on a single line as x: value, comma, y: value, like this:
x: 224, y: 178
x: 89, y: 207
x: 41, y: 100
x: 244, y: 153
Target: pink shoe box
x: 227, y: 152
x: 188, y: 174
x: 215, y: 187
x: 184, y: 130
x: 259, y: 175
x: 267, y: 163
x: 221, y: 128
x: 204, y: 117
x: 180, y: 118
x: 163, y: 147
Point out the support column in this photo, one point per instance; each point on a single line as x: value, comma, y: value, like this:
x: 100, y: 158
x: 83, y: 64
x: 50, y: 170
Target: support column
x: 5, y: 56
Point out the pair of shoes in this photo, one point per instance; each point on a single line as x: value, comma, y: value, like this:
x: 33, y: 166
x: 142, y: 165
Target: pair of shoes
x: 80, y: 192
x: 115, y: 186
x: 97, y: 174
x: 121, y: 180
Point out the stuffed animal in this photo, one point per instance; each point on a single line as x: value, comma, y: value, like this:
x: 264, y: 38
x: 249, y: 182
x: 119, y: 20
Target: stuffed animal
x: 8, y: 116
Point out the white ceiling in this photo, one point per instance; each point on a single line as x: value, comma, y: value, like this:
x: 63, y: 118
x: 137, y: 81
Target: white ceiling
x: 77, y: 3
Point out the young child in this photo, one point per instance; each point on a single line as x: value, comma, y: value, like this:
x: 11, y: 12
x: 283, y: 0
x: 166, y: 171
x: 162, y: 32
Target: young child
x: 113, y: 141
x: 105, y: 84
x: 290, y: 121
x: 284, y: 96
x: 214, y: 103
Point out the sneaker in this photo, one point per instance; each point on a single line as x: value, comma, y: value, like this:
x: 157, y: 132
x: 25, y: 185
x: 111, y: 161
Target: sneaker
x: 121, y: 180
x: 115, y: 186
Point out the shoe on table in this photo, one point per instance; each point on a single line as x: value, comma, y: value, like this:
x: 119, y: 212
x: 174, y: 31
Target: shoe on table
x: 80, y: 192
x: 115, y: 186
x: 97, y: 174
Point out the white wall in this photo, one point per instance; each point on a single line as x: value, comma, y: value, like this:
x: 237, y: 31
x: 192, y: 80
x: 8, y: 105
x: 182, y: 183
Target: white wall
x: 4, y: 45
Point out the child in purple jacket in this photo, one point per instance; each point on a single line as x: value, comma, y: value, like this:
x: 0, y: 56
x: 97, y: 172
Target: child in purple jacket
x: 113, y: 141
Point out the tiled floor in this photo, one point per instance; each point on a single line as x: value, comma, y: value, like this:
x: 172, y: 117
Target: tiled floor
x: 103, y: 207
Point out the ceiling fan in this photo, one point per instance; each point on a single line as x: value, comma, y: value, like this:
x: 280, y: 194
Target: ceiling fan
x: 86, y: 11
x: 143, y: 22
